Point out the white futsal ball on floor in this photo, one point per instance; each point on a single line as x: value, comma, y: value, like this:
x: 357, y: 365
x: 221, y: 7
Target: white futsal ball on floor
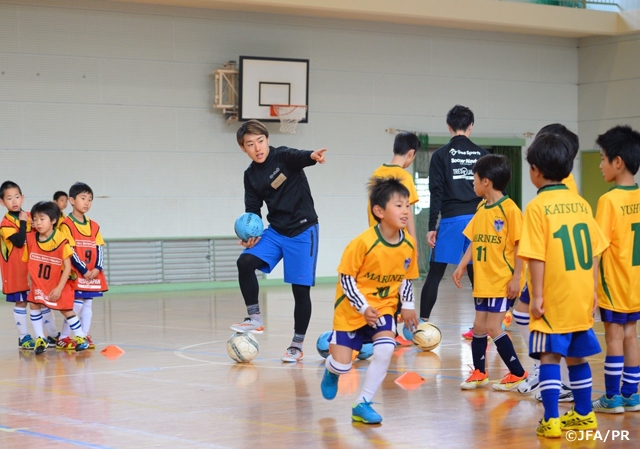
x: 427, y: 336
x: 242, y: 347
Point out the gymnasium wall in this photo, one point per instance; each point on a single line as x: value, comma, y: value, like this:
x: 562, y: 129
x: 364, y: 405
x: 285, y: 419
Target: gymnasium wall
x: 609, y: 86
x: 119, y: 96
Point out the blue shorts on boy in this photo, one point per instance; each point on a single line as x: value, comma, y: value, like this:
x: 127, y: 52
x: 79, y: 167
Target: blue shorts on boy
x: 17, y: 297
x: 493, y: 305
x: 300, y: 254
x: 609, y: 316
x: 451, y: 244
x: 357, y: 338
x: 573, y: 344
x: 524, y: 295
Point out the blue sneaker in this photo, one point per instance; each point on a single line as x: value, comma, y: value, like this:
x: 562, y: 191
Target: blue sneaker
x: 26, y: 342
x: 632, y: 403
x: 329, y: 385
x: 608, y: 405
x: 81, y: 343
x: 363, y: 413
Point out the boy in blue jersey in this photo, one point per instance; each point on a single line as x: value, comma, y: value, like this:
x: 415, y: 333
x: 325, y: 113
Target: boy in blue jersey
x: 276, y: 177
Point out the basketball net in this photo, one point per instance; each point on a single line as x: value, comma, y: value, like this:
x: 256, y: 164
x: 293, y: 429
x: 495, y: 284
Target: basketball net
x: 289, y: 116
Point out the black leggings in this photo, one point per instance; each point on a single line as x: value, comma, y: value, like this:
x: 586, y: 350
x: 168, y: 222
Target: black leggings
x: 429, y: 294
x: 247, y: 266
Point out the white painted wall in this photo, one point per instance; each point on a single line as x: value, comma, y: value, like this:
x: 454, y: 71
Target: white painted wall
x: 119, y: 96
x: 609, y: 92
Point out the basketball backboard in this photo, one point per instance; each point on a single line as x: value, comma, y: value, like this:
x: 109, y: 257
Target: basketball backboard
x: 271, y: 81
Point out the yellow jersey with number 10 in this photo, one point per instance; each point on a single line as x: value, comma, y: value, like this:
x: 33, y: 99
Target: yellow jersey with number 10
x: 378, y: 268
x: 559, y: 230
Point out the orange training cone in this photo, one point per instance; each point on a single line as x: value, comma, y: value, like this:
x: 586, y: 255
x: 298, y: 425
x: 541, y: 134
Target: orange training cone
x: 410, y: 381
x: 112, y: 352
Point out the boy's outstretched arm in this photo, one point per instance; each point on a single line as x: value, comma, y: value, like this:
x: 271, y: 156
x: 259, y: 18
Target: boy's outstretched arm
x: 318, y: 155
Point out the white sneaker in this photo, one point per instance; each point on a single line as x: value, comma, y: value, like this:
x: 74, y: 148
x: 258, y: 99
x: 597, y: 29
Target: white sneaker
x: 248, y: 325
x: 532, y: 383
x: 566, y: 395
x: 292, y: 355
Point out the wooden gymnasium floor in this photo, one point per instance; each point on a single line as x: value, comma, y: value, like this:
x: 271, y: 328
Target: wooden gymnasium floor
x: 175, y: 387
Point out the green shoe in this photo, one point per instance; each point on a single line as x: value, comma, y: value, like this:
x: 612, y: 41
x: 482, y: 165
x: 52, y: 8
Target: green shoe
x: 41, y: 345
x: 26, y: 342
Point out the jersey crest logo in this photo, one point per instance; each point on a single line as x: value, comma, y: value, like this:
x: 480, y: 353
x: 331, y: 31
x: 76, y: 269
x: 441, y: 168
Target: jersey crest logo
x: 407, y: 262
x: 498, y: 224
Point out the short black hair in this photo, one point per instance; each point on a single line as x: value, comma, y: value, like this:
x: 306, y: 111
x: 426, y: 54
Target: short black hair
x: 382, y: 189
x: 459, y: 118
x: 624, y: 142
x: 552, y: 156
x: 78, y: 188
x: 8, y: 185
x: 494, y: 167
x: 59, y: 194
x: 557, y: 128
x: 47, y: 208
x: 405, y: 142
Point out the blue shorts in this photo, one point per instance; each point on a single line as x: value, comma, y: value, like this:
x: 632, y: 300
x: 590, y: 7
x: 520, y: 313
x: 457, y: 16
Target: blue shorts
x: 609, y: 316
x: 300, y: 254
x: 365, y: 334
x: 18, y: 297
x: 493, y: 305
x: 573, y: 344
x: 524, y: 295
x: 81, y: 294
x: 451, y: 243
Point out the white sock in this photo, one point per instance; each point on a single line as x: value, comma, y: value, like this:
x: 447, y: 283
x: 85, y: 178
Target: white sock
x: 564, y: 372
x: 50, y: 327
x: 86, y: 313
x: 66, y: 330
x: 522, y: 320
x: 20, y: 318
x: 36, y: 322
x: 382, y: 351
x: 76, y: 326
x: 336, y: 367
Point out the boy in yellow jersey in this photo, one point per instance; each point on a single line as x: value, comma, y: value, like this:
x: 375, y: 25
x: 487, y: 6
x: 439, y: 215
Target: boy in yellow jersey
x: 560, y: 242
x: 405, y: 146
x: 494, y: 232
x: 618, y: 215
x: 62, y: 200
x: 521, y: 310
x: 376, y: 269
x: 86, y: 239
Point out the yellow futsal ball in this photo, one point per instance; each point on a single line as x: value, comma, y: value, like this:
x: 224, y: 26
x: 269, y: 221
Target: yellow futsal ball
x: 427, y: 336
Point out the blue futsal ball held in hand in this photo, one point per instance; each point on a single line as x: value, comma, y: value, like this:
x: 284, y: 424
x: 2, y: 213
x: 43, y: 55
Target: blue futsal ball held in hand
x: 248, y: 225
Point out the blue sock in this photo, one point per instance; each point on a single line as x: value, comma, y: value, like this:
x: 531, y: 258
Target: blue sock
x: 550, y: 389
x: 478, y: 351
x: 630, y: 380
x: 581, y: 385
x: 612, y: 374
x: 508, y: 354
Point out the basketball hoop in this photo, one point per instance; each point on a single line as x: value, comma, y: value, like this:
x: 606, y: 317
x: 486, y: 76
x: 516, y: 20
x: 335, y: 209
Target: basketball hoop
x: 289, y: 115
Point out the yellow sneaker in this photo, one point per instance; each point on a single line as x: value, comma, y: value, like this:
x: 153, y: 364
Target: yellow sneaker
x: 510, y: 382
x: 476, y: 380
x: 549, y: 429
x: 575, y: 421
